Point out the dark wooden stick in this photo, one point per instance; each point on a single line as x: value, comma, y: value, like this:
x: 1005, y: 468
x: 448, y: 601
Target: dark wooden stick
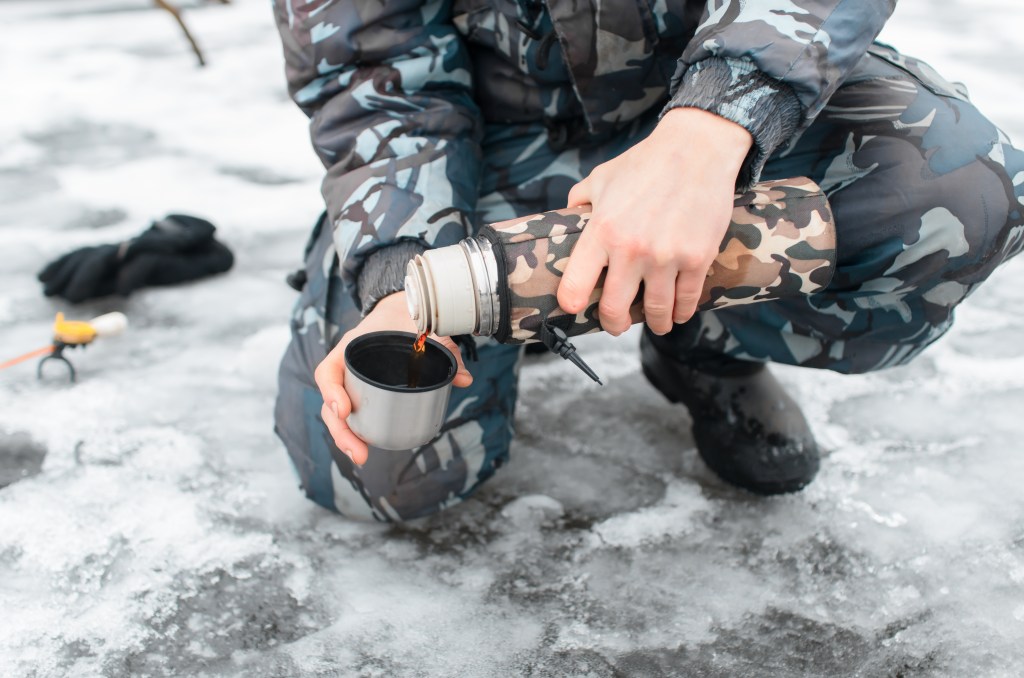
x: 181, y: 22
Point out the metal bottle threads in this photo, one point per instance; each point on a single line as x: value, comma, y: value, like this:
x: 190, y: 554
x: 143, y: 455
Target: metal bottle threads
x: 503, y: 282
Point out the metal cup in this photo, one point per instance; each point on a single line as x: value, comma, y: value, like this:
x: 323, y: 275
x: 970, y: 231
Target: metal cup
x: 386, y: 411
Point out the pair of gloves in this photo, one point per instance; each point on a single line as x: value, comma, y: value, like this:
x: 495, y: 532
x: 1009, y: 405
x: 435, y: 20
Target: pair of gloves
x: 175, y: 249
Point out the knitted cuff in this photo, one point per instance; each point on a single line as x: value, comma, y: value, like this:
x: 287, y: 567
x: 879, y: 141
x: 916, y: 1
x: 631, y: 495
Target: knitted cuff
x: 383, y: 272
x: 737, y: 91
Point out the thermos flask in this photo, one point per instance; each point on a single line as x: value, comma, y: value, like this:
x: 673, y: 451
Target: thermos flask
x: 503, y: 282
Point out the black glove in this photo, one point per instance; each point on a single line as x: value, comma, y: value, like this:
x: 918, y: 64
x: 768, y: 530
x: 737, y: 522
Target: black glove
x: 174, y: 249
x: 82, y: 274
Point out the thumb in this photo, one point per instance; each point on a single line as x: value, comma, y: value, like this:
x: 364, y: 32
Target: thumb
x: 462, y: 376
x: 579, y: 194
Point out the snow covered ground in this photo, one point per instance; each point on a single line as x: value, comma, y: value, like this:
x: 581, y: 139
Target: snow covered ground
x: 155, y: 527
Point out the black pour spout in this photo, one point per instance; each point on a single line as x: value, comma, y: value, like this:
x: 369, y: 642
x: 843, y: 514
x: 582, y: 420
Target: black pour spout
x: 558, y: 342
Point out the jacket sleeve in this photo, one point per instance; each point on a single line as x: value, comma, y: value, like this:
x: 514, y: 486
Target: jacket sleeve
x: 772, y: 65
x: 387, y: 87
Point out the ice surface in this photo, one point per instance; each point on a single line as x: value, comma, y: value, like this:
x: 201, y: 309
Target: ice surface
x: 150, y: 523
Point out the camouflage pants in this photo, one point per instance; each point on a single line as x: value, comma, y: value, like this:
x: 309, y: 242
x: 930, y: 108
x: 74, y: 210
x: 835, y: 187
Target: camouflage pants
x: 927, y: 195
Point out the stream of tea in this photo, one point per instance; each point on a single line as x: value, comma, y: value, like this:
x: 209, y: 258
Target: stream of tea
x: 419, y: 349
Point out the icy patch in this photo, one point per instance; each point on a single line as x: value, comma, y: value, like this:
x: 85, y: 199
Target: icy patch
x: 261, y: 176
x: 20, y: 458
x: 260, y: 354
x: 532, y: 509
x: 90, y: 143
x: 672, y: 517
x: 122, y: 536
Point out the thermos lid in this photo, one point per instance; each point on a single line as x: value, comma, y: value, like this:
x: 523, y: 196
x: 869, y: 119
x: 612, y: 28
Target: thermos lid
x: 440, y: 292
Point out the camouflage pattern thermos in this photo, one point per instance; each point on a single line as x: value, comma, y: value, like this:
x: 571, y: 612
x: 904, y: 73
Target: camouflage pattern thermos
x: 503, y: 282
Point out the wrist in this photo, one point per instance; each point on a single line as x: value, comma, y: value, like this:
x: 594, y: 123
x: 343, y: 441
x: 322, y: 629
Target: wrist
x: 737, y: 91
x: 395, y: 300
x: 392, y: 313
x: 726, y: 141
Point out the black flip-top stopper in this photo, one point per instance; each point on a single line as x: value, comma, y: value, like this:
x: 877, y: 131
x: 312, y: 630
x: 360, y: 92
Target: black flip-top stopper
x: 557, y: 342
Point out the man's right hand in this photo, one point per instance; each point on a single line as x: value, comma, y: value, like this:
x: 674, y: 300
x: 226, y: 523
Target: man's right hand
x: 390, y: 313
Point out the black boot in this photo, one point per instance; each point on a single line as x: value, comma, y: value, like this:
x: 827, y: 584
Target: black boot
x: 747, y: 428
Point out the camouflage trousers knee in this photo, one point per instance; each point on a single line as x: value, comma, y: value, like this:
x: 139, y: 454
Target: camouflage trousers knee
x: 928, y: 197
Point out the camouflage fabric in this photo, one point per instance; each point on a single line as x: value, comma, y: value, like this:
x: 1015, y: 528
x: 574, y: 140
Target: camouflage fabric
x: 781, y: 242
x: 809, y: 45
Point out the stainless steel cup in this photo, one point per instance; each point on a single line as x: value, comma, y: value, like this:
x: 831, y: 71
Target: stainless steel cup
x: 386, y: 411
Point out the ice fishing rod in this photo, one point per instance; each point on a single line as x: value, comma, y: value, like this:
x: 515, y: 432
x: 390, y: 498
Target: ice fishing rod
x: 72, y: 334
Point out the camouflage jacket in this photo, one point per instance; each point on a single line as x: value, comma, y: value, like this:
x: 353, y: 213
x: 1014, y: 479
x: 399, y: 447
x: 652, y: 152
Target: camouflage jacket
x: 398, y: 90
